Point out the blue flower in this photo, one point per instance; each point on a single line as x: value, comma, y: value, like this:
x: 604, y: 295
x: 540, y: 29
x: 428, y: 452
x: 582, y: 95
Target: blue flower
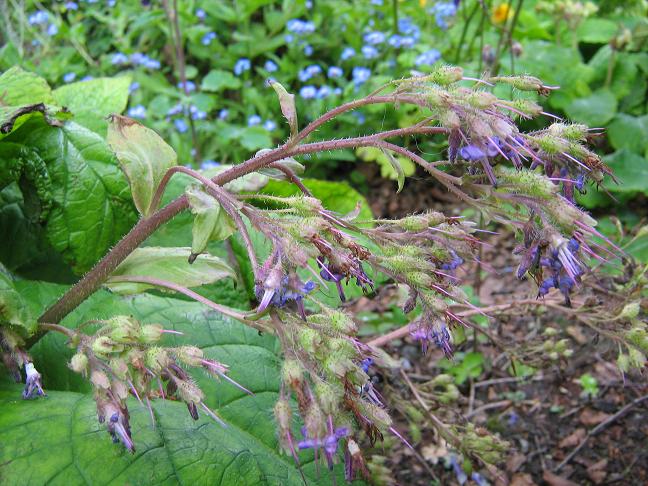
x: 223, y: 114
x: 360, y: 117
x: 253, y: 120
x: 360, y: 75
x: 308, y: 4
x: 300, y: 27
x: 323, y: 92
x: 369, y: 52
x: 208, y: 38
x: 347, y: 53
x: 71, y: 6
x: 52, y: 30
x: 289, y: 38
x: 241, y: 65
x: 180, y: 125
x: 407, y: 27
x: 86, y: 78
x: 270, y: 66
x: 175, y: 110
x: 337, y: 91
x: 377, y: 3
x: 427, y: 58
x: 118, y: 59
x: 197, y: 114
x: 308, y: 92
x: 308, y: 50
x: 442, y: 12
x: 190, y: 86
x: 334, y: 72
x: 134, y: 86
x: 270, y: 125
x: 374, y: 38
x: 137, y: 112
x: 140, y: 59
x: 201, y: 14
x: 38, y: 17
x: 308, y: 72
x: 69, y: 77
x: 209, y: 164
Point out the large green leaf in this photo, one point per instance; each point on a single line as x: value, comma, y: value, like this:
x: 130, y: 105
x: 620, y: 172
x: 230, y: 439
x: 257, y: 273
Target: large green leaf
x: 144, y: 157
x: 19, y: 87
x: 170, y: 265
x: 595, y: 110
x: 91, y: 101
x: 178, y: 451
x: 630, y: 169
x: 218, y: 80
x: 91, y: 206
x: 629, y: 132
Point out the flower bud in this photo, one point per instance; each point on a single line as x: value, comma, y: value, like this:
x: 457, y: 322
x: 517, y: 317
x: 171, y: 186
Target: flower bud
x: 79, y: 363
x: 630, y: 311
x: 343, y: 323
x: 481, y: 100
x: 125, y: 329
x: 189, y: 392
x: 291, y: 371
x: 309, y: 339
x: 523, y: 82
x: 189, y: 355
x: 420, y: 279
x: 119, y: 389
x: 636, y: 357
x: 574, y: 132
x: 528, y: 107
x: 157, y: 358
x: 315, y: 422
x: 283, y: 413
x: 623, y: 362
x: 527, y: 182
x: 119, y: 368
x: 445, y: 75
x: 99, y: 379
x: 151, y: 333
x: 329, y: 397
x: 103, y: 346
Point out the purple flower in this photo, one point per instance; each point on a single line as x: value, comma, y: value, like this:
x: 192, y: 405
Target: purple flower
x: 242, y: 65
x: 52, y: 30
x: 366, y: 364
x: 32, y: 382
x: 308, y: 92
x: 436, y: 333
x: 471, y: 153
x: 328, y: 443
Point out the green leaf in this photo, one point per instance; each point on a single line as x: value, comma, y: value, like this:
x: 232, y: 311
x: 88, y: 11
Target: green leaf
x: 595, y: 110
x: 391, y: 166
x: 91, y: 101
x: 287, y: 103
x: 170, y: 265
x: 630, y: 169
x: 91, y: 207
x: 211, y: 222
x: 629, y: 132
x: 144, y: 157
x: 19, y: 87
x: 179, y: 450
x: 218, y: 80
x: 12, y: 117
x: 13, y: 309
x: 254, y: 138
x: 596, y: 30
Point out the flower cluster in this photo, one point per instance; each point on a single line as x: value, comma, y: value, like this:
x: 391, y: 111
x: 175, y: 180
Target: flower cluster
x: 124, y: 357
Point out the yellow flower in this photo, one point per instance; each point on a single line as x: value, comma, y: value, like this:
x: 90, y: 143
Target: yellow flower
x: 422, y: 3
x: 501, y: 13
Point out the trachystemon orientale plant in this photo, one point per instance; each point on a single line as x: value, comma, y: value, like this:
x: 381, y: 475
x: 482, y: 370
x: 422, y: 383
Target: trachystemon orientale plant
x: 327, y: 402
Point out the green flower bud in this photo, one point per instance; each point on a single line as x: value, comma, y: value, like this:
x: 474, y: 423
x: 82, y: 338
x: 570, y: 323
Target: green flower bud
x: 79, y: 363
x: 375, y: 414
x: 523, y: 83
x: 151, y: 333
x: 342, y: 323
x: 561, y: 345
x: 549, y: 331
x: 445, y: 75
x: 528, y: 107
x: 420, y: 279
x: 291, y: 371
x: 637, y: 358
x: 329, y: 397
x: 623, y: 362
x: 157, y: 358
x: 553, y: 356
x: 572, y: 132
x: 630, y: 311
x: 309, y: 339
x: 315, y: 422
x: 551, y: 144
x: 189, y: 392
x: 189, y: 355
x: 119, y: 368
x: 125, y: 329
x: 481, y: 100
x: 527, y: 182
x: 103, y: 346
